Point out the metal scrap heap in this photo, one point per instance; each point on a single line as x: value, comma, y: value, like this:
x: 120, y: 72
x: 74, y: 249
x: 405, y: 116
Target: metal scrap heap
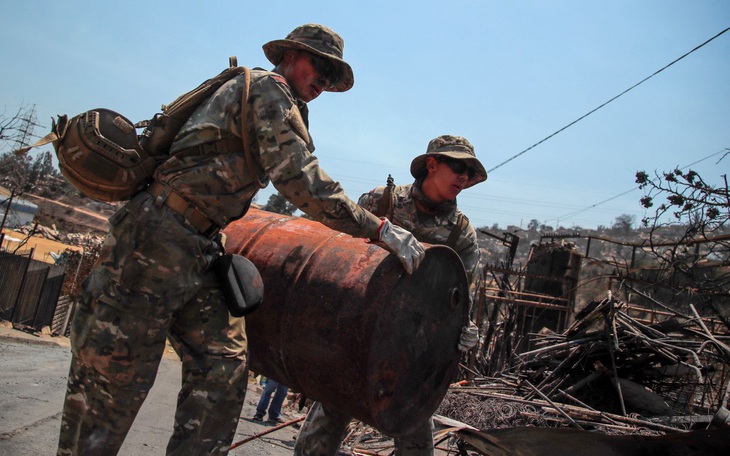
x: 608, y: 373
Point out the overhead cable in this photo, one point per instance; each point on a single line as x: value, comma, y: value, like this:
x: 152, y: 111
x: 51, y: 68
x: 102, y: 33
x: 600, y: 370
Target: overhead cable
x: 580, y: 211
x: 609, y: 101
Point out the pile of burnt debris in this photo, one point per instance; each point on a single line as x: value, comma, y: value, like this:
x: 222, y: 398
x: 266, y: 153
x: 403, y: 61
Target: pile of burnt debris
x: 608, y: 374
x: 54, y: 234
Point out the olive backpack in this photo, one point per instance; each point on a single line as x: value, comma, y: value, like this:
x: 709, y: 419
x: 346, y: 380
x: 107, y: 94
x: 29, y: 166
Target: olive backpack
x: 100, y: 153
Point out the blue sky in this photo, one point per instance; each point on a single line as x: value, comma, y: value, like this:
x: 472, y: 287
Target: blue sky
x: 505, y: 75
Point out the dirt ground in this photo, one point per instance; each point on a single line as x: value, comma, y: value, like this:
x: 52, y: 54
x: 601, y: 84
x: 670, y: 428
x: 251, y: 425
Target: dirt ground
x: 33, y: 372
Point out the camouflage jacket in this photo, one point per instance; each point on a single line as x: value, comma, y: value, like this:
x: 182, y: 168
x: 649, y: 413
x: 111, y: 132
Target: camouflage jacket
x: 221, y: 185
x: 432, y: 229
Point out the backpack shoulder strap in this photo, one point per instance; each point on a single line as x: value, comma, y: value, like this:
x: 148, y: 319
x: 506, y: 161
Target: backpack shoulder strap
x: 461, y: 225
x: 244, y: 129
x: 160, y: 131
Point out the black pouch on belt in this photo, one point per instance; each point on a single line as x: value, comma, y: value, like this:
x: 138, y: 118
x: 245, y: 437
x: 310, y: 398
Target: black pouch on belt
x: 241, y: 283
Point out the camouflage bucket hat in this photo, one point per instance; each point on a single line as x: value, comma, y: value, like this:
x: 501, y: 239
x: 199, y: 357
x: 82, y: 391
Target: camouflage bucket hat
x: 455, y: 147
x: 319, y: 40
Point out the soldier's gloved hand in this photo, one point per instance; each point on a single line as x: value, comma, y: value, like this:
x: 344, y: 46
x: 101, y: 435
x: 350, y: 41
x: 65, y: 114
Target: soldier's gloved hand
x: 469, y: 337
x: 402, y: 244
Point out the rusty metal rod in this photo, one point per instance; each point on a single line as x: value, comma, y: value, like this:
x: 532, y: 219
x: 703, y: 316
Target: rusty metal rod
x: 577, y: 401
x: 707, y: 331
x: 555, y: 406
x: 268, y: 431
x: 357, y: 451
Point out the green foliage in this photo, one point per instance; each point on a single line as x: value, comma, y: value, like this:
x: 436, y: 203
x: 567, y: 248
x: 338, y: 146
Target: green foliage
x: 21, y: 173
x: 702, y: 210
x: 685, y: 197
x: 277, y: 203
x: 624, y: 223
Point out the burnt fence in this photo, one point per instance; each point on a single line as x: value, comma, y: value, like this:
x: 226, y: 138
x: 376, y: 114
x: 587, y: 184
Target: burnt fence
x: 29, y: 292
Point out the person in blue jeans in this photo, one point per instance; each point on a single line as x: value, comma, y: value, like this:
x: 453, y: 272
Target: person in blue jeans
x: 276, y: 403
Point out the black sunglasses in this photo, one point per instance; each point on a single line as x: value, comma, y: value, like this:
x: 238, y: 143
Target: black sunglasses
x: 458, y: 166
x: 326, y: 70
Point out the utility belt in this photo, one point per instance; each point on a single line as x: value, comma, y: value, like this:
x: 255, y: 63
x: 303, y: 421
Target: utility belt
x: 240, y: 281
x: 221, y: 146
x: 167, y: 196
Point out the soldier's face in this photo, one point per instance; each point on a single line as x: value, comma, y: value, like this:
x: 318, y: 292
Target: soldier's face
x: 446, y: 181
x: 308, y: 75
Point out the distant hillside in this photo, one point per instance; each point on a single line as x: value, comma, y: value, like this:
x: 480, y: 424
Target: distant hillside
x: 63, y: 207
x: 72, y: 214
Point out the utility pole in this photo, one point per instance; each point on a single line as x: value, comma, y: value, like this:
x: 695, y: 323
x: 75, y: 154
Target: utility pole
x: 26, y: 128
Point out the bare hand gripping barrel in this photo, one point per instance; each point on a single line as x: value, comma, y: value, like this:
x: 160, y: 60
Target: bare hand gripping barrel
x: 344, y: 324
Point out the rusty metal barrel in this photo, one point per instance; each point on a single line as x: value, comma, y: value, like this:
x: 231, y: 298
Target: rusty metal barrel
x: 344, y: 324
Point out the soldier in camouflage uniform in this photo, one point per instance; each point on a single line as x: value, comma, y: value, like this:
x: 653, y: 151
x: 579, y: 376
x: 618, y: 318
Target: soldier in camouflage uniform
x: 152, y: 280
x: 427, y: 208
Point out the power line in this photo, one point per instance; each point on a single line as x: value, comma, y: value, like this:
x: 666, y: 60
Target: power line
x: 604, y: 104
x: 580, y: 211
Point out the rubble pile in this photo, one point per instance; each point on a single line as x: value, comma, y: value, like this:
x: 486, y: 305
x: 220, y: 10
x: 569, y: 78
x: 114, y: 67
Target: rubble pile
x: 484, y: 412
x: 76, y: 239
x: 608, y: 372
x: 614, y: 363
x: 78, y: 267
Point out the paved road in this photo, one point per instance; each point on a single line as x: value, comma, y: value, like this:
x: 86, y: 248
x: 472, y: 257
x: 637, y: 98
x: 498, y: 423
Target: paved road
x: 33, y: 372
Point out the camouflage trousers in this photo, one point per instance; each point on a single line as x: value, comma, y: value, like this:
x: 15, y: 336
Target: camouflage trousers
x: 151, y: 283
x: 324, y: 428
